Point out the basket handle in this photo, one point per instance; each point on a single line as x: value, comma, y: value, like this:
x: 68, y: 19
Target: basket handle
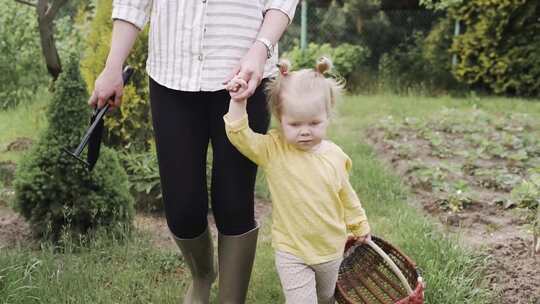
x: 392, y: 265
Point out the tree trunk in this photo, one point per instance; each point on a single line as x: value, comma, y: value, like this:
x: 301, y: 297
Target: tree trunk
x: 46, y: 14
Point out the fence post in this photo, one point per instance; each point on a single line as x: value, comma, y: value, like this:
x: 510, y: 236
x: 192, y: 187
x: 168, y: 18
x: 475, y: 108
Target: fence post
x: 303, y: 33
x: 456, y: 33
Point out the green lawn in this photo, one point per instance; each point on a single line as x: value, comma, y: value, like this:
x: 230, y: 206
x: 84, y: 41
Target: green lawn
x: 27, y: 120
x: 111, y: 271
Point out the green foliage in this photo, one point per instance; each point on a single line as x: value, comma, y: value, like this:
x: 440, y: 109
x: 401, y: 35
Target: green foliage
x: 358, y: 22
x: 405, y: 69
x: 347, y: 58
x: 382, y: 31
x: 131, y: 124
x: 420, y: 64
x: 480, y: 151
x: 54, y: 192
x: 144, y: 182
x: 440, y: 4
x: 527, y: 194
x: 499, y: 48
x: 144, y: 179
x: 22, y: 70
x: 81, y: 273
x: 68, y: 36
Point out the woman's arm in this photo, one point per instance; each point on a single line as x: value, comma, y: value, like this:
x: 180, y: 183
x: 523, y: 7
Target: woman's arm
x: 109, y: 82
x: 251, y: 67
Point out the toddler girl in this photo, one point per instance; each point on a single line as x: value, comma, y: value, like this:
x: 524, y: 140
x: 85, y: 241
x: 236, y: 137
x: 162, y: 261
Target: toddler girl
x: 314, y: 204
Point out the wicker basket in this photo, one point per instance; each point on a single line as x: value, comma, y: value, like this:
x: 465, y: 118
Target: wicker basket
x: 378, y: 273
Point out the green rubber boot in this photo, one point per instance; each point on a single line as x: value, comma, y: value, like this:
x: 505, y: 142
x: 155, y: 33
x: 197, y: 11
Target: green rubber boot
x: 236, y: 254
x: 198, y: 254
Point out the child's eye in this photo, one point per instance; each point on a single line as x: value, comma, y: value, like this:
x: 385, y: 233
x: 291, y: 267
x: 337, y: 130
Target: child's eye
x: 314, y: 123
x: 294, y: 124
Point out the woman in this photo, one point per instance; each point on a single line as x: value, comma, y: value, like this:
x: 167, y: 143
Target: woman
x: 195, y: 46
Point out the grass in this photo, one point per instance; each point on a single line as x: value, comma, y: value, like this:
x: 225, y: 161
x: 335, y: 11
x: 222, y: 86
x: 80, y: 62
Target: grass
x: 132, y: 271
x: 104, y: 271
x: 26, y: 120
x: 454, y: 275
x: 109, y: 270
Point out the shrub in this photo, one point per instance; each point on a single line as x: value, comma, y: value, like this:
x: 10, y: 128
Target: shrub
x: 131, y: 124
x: 499, y: 48
x: 347, y: 58
x: 421, y: 64
x: 54, y: 192
x: 144, y: 182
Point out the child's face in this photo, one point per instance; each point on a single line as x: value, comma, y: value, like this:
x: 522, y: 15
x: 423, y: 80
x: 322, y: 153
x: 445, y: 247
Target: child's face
x: 304, y: 124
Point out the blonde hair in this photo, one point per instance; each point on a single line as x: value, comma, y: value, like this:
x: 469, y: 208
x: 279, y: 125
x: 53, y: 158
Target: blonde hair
x: 305, y: 80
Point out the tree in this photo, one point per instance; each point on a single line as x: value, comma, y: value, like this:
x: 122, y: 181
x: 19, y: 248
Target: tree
x: 499, y: 47
x: 20, y: 74
x: 46, y: 12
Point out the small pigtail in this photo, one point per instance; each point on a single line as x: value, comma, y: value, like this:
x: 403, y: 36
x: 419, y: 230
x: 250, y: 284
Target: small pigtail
x: 284, y: 66
x: 324, y: 65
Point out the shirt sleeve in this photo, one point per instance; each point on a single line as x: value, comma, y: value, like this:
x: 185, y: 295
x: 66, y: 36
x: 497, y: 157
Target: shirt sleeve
x: 355, y: 215
x: 288, y: 7
x: 253, y: 145
x: 136, y: 12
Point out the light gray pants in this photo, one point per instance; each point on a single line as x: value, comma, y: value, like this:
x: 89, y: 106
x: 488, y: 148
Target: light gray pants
x: 307, y: 284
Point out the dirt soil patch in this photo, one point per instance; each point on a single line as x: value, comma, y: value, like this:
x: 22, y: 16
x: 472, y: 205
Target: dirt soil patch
x: 20, y: 144
x: 156, y: 225
x: 14, y: 231
x: 475, y: 173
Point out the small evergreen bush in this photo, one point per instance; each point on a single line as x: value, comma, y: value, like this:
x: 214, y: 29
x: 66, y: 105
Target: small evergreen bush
x: 54, y: 192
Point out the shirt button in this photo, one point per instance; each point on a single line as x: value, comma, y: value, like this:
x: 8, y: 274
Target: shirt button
x: 200, y: 57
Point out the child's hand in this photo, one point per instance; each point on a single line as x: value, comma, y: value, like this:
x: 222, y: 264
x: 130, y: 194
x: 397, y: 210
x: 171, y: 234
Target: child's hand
x: 236, y: 87
x: 360, y: 239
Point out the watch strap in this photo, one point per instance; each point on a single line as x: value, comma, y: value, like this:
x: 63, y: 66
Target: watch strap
x: 269, y: 46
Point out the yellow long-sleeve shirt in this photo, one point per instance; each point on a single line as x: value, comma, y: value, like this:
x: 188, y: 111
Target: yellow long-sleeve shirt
x: 313, y: 201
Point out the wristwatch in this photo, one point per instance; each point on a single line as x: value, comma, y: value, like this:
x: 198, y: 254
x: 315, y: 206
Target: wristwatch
x: 269, y: 46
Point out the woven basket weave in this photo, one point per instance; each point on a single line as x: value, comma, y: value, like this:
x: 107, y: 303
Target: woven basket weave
x: 368, y: 276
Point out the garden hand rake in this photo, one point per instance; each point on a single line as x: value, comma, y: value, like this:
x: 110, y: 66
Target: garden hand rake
x: 92, y: 136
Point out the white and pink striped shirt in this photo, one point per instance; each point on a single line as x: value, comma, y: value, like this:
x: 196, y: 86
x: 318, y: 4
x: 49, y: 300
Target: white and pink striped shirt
x: 195, y: 44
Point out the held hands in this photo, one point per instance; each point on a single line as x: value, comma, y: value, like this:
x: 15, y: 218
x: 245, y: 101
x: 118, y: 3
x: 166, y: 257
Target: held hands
x: 251, y: 69
x: 237, y: 88
x: 360, y: 239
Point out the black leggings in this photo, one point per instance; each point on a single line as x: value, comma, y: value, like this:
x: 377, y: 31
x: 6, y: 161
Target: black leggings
x: 184, y: 123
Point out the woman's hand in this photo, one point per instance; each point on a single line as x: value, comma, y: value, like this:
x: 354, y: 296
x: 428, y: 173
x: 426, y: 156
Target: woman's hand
x: 250, y: 69
x: 237, y: 87
x: 108, y: 85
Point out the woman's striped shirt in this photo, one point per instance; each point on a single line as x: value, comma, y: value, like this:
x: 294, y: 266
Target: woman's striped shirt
x: 195, y: 44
